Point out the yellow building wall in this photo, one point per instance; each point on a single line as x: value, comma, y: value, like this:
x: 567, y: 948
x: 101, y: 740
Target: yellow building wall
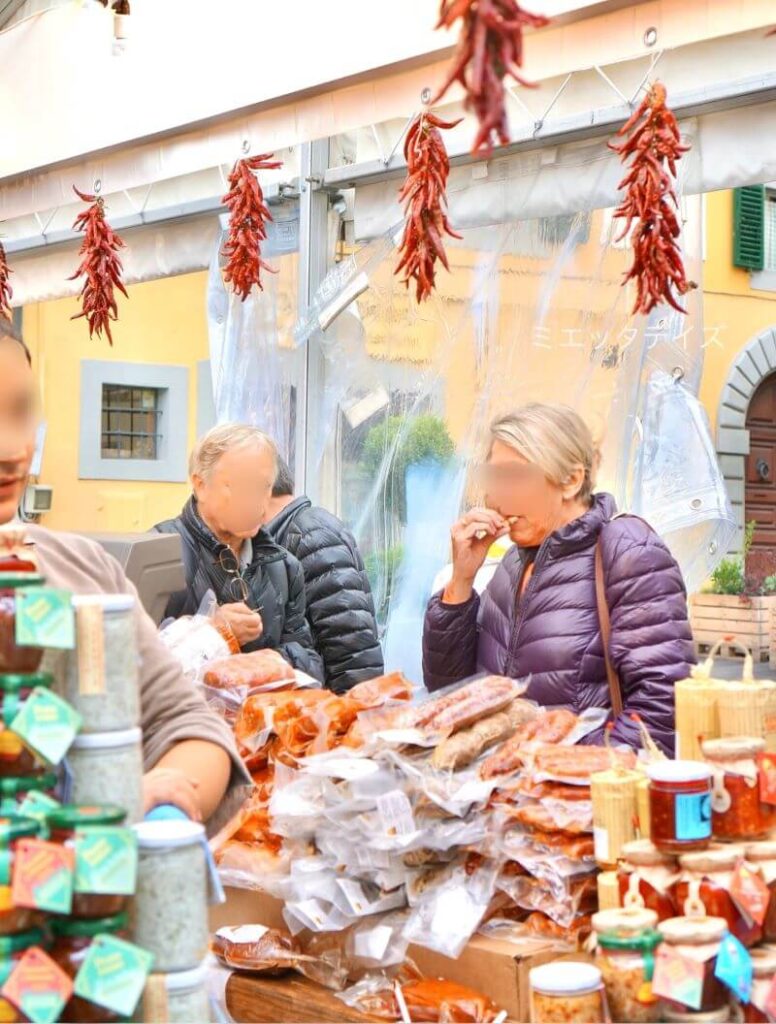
x: 163, y: 322
x: 734, y: 312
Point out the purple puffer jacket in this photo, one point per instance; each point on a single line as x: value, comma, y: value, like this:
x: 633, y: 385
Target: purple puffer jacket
x: 554, y: 636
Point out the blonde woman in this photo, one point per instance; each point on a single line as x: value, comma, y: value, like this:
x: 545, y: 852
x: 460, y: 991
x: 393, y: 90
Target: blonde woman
x: 539, y: 617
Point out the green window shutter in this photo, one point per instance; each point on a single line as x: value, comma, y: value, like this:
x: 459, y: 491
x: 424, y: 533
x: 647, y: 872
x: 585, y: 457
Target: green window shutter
x: 749, y: 227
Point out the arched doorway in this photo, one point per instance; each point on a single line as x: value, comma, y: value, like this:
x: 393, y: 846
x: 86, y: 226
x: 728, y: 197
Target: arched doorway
x: 760, y: 479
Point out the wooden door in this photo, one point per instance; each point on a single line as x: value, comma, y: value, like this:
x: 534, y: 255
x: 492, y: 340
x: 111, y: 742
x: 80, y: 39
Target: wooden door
x: 760, y: 496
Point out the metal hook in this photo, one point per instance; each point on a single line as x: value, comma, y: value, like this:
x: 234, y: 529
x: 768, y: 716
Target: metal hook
x: 246, y: 146
x: 678, y: 374
x: 425, y: 96
x: 97, y: 186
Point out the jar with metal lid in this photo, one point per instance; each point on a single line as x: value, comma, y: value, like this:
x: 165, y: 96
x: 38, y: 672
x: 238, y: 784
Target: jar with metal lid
x: 648, y: 876
x: 699, y: 938
x: 12, y: 949
x: 626, y: 941
x: 101, y: 676
x: 107, y: 768
x: 14, y: 919
x: 12, y: 657
x: 63, y: 823
x: 762, y: 857
x: 15, y: 758
x: 171, y: 917
x: 679, y: 805
x: 763, y: 973
x: 14, y: 790
x: 706, y: 878
x: 566, y: 992
x: 71, y: 942
x: 177, y: 998
x: 737, y: 812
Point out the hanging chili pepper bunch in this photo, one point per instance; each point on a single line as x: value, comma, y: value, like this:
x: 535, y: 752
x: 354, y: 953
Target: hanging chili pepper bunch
x: 650, y: 207
x: 6, y: 291
x: 425, y: 203
x: 489, y: 49
x: 248, y: 217
x: 100, y: 264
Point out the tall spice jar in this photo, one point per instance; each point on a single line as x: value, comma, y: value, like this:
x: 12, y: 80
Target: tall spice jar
x: 107, y: 768
x: 615, y: 812
x: 748, y: 708
x: 696, y: 710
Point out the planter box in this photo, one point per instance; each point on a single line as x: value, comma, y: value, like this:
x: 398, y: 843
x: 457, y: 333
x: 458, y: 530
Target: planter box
x: 748, y: 620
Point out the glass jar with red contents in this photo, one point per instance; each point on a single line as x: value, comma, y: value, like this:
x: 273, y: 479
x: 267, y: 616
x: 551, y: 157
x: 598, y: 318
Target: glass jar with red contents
x: 737, y: 812
x: 12, y: 657
x: 647, y: 875
x: 699, y: 938
x: 15, y: 554
x: 15, y: 758
x: 14, y: 919
x: 72, y: 939
x: 679, y: 805
x: 12, y: 949
x: 762, y: 857
x: 63, y: 823
x: 763, y: 972
x: 13, y: 790
x: 707, y: 877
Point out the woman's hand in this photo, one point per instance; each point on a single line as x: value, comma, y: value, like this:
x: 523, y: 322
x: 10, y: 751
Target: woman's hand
x: 170, y: 786
x: 245, y: 624
x: 472, y: 537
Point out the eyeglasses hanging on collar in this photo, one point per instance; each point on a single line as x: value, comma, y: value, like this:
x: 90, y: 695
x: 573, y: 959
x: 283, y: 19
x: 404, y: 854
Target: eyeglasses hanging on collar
x: 238, y: 588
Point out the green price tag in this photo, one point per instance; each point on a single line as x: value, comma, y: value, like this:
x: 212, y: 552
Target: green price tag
x: 37, y: 805
x: 113, y: 974
x: 39, y: 987
x: 105, y: 860
x: 45, y: 618
x: 47, y: 724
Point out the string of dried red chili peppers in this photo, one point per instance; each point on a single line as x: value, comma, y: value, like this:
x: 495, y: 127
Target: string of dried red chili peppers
x: 248, y: 217
x: 425, y: 203
x: 649, y: 207
x: 101, y: 264
x: 490, y: 48
x: 6, y: 291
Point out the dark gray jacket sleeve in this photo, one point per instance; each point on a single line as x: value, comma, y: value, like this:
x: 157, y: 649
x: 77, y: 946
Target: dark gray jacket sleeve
x: 449, y: 641
x: 340, y: 608
x: 296, y: 642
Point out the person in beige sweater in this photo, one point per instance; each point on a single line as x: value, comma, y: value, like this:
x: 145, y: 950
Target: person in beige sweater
x: 190, y: 757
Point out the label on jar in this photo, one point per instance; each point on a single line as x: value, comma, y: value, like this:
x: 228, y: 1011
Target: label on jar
x: 692, y: 816
x: 155, y: 1005
x: 47, y: 724
x: 44, y: 618
x: 105, y: 860
x: 678, y: 977
x: 734, y: 967
x: 37, y: 805
x: 113, y: 974
x: 766, y: 764
x: 43, y: 876
x: 750, y: 893
x: 395, y: 812
x: 38, y: 987
x: 91, y: 648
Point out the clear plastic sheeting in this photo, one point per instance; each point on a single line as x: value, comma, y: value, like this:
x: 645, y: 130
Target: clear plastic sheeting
x: 532, y: 310
x: 256, y: 368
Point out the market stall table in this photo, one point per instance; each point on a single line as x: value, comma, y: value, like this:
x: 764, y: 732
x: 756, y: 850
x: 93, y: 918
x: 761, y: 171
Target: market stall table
x: 288, y: 1000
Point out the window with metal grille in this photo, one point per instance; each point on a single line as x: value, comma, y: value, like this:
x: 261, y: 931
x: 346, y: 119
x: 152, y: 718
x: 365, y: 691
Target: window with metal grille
x: 770, y: 229
x: 131, y: 422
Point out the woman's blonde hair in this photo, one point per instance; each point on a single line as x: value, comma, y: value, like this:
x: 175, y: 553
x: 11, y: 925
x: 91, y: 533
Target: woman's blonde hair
x: 552, y: 437
x: 225, y: 438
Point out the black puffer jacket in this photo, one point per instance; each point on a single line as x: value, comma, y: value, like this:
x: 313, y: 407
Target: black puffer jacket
x: 340, y: 608
x: 274, y: 579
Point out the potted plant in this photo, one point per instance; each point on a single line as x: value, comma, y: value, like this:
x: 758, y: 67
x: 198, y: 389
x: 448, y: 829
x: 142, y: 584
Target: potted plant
x: 739, y: 603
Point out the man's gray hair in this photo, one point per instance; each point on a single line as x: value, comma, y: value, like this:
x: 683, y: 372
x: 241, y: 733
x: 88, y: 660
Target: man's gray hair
x: 226, y: 438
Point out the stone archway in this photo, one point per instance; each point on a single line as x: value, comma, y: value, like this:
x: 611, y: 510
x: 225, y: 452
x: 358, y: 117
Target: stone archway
x: 755, y: 362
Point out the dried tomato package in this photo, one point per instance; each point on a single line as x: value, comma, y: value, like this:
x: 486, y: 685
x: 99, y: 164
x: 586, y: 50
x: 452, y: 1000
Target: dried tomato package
x: 252, y: 947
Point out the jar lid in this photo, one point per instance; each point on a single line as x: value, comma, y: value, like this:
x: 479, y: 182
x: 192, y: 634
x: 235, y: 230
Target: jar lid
x: 168, y: 833
x: 693, y: 931
x: 14, y: 682
x: 627, y: 921
x: 16, y: 826
x: 674, y: 1016
x: 11, y: 785
x: 721, y: 858
x: 763, y: 961
x: 732, y: 748
x: 177, y: 981
x: 764, y: 850
x: 107, y: 740
x: 108, y: 602
x: 567, y: 977
x: 678, y: 771
x: 644, y: 853
x: 88, y: 928
x: 14, y: 580
x: 22, y: 940
x: 73, y: 816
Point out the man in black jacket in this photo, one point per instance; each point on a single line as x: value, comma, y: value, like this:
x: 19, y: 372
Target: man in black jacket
x: 340, y: 608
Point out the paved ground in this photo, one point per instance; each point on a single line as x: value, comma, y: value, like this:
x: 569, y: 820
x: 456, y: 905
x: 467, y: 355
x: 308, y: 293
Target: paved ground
x: 730, y: 668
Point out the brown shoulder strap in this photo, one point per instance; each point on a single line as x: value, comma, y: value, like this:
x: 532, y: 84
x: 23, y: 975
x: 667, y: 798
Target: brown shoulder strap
x: 615, y: 690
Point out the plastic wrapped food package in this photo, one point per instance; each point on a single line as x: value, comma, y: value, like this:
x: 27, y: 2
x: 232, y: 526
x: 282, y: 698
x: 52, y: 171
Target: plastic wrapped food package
x: 252, y: 947
x: 434, y: 1000
x: 467, y: 745
x: 101, y: 676
x: 461, y: 707
x: 107, y: 769
x: 243, y: 672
